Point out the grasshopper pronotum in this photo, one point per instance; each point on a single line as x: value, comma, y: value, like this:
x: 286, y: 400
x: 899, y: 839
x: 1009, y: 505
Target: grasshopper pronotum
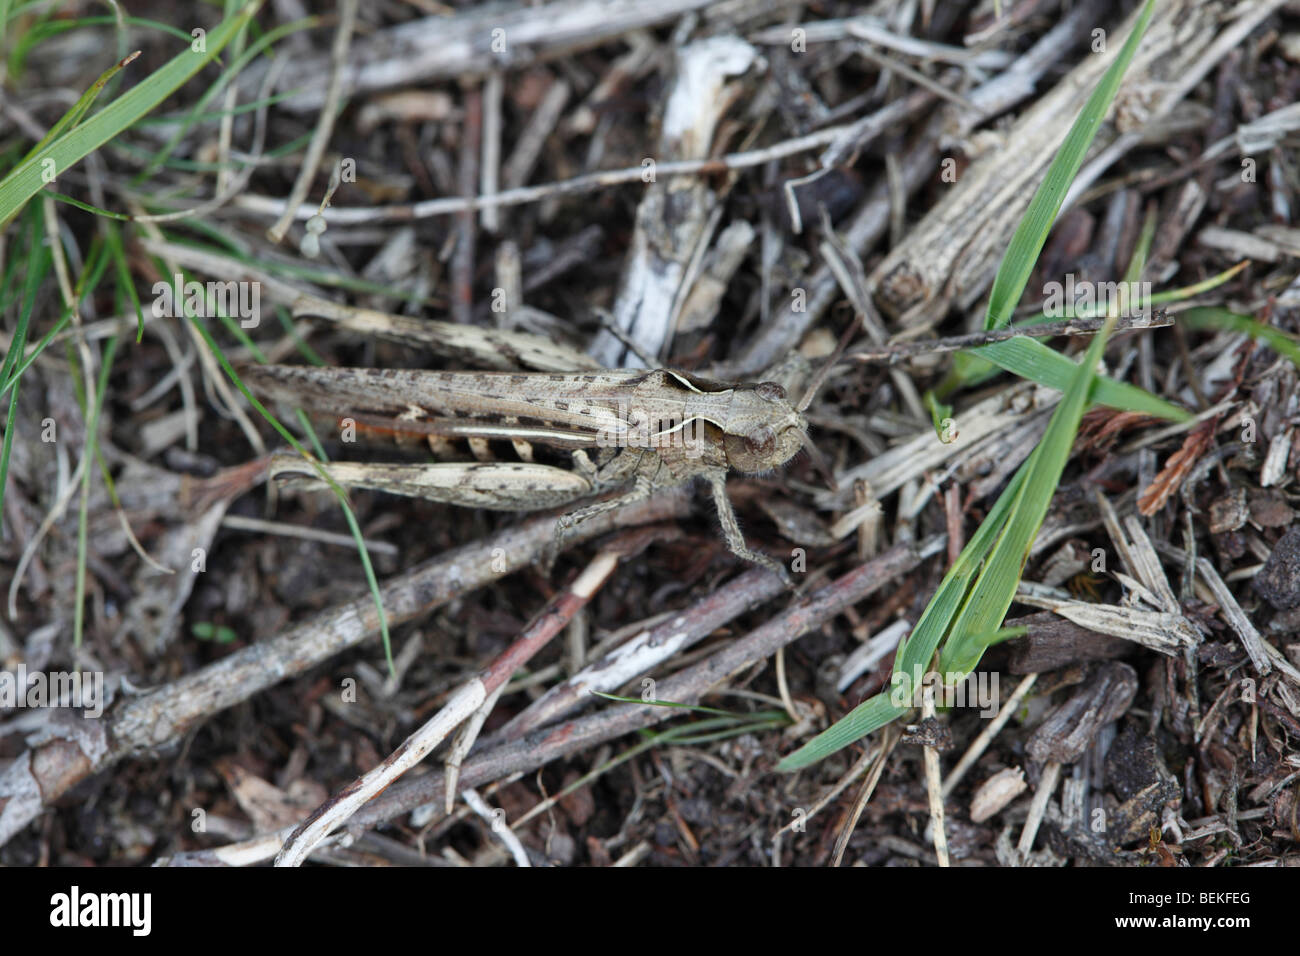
x: 645, y: 430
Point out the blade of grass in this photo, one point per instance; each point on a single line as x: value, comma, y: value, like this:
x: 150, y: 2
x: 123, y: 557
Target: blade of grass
x: 1041, y: 364
x: 697, y: 708
x: 309, y: 354
x: 975, y: 594
x: 1027, y: 242
x: 222, y: 247
x: 38, y: 264
x: 916, y: 650
x: 971, y: 614
x: 1031, y: 359
x: 200, y: 107
x: 1225, y: 320
x: 970, y: 369
x: 96, y: 263
x: 70, y: 119
x: 123, y: 274
x: 139, y: 154
x: 233, y: 327
x: 87, y: 207
x: 28, y: 178
x: 995, y: 588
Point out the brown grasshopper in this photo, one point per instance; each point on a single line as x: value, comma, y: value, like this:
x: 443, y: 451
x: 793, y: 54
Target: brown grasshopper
x: 646, y: 430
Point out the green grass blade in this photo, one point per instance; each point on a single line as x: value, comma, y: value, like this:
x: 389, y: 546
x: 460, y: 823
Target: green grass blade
x: 72, y: 117
x: 95, y: 265
x: 869, y: 716
x: 1137, y: 263
x: 998, y: 552
x: 971, y: 613
x: 1031, y: 359
x: 123, y: 275
x: 916, y: 650
x: 1041, y: 364
x: 1225, y: 320
x: 87, y: 207
x: 1022, y: 253
x: 27, y: 178
x: 8, y: 440
x: 995, y: 588
x: 38, y: 264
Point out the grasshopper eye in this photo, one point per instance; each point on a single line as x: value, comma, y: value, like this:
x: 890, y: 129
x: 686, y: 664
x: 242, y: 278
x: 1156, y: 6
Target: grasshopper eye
x: 761, y: 442
x: 770, y: 391
x: 762, y: 449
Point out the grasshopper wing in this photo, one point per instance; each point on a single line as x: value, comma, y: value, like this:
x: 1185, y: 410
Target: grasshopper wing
x: 532, y: 407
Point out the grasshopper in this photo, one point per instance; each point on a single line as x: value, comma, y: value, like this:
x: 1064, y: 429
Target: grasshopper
x: 631, y: 431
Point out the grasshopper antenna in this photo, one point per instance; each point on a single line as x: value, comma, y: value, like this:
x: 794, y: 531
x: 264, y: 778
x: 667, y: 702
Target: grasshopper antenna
x: 820, y: 463
x: 820, y: 378
x: 608, y: 323
x: 818, y: 459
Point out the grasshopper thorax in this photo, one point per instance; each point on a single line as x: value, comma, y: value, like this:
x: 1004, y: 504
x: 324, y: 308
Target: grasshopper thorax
x: 774, y: 440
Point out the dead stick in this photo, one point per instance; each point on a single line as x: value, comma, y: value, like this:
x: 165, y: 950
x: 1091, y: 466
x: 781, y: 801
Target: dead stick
x: 468, y: 698
x: 688, y: 686
x: 933, y: 785
x: 141, y: 724
x: 647, y: 650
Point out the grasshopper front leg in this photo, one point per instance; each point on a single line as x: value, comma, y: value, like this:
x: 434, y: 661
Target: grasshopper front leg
x: 731, y: 530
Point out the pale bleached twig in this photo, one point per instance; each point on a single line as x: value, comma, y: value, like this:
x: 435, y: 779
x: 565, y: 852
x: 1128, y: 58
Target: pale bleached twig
x: 1235, y: 616
x: 873, y: 30
x: 490, y: 164
x: 1038, y: 808
x: 138, y: 725
x: 462, y: 704
x: 451, y: 44
x: 465, y: 738
x: 324, y: 121
x: 884, y: 62
x: 499, y: 829
x: 981, y: 743
x: 528, y: 147
x: 590, y: 182
x: 674, y: 222
x: 933, y: 785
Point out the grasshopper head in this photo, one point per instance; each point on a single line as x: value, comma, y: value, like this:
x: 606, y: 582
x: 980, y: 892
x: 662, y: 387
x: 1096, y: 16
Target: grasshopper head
x: 772, y: 443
